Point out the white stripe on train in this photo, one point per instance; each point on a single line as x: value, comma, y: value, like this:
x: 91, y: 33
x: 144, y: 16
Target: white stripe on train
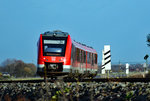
x: 66, y: 68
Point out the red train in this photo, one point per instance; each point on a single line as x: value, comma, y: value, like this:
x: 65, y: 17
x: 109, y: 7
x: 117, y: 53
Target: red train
x: 59, y: 55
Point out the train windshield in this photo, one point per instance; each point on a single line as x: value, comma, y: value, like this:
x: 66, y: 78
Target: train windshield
x: 54, y: 47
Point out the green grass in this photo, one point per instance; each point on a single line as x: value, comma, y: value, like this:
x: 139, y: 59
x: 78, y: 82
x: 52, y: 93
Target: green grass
x: 29, y: 78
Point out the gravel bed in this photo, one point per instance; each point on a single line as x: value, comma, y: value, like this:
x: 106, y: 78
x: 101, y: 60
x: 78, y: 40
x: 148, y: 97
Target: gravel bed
x: 89, y: 91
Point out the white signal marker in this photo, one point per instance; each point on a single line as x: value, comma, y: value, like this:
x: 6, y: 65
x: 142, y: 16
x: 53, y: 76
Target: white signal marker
x: 106, y: 59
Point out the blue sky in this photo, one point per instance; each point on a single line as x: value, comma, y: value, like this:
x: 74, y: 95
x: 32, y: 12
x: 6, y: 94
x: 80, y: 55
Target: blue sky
x: 123, y: 24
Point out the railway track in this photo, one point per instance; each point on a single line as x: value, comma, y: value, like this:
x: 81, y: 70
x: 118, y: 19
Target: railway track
x: 83, y: 80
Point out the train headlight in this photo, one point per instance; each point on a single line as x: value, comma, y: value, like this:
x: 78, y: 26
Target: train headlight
x: 64, y: 60
x: 40, y: 65
x: 40, y: 68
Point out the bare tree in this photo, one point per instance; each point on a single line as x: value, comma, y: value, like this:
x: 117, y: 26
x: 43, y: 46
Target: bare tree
x: 148, y: 39
x: 18, y: 68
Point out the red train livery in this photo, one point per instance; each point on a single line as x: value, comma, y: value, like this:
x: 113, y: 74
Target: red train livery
x: 58, y: 54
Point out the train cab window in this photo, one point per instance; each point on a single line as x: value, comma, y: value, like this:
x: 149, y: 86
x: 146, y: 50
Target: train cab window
x: 54, y: 46
x: 50, y: 49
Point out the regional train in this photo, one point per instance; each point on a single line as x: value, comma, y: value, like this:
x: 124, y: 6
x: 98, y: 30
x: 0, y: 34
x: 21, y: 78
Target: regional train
x: 59, y: 55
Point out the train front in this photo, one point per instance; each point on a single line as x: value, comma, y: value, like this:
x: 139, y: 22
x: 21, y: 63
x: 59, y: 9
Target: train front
x: 54, y: 54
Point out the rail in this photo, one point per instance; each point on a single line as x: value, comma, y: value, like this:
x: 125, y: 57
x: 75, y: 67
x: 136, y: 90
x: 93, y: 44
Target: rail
x: 83, y: 80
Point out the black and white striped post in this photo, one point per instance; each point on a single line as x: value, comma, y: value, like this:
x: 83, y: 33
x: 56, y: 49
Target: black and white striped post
x: 106, y: 59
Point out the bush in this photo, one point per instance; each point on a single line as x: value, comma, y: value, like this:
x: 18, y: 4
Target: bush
x: 148, y: 74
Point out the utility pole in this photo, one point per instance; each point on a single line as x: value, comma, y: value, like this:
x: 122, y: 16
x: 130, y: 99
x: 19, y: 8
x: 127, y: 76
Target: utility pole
x: 146, y: 64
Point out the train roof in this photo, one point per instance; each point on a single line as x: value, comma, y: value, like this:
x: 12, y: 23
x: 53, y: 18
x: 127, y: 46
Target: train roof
x: 84, y: 47
x: 59, y: 33
x: 55, y: 34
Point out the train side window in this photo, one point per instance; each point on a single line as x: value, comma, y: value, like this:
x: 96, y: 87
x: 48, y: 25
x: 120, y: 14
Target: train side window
x: 84, y: 57
x: 78, y: 55
x: 89, y: 57
x: 92, y: 58
x: 95, y: 58
x: 73, y: 53
x: 81, y: 56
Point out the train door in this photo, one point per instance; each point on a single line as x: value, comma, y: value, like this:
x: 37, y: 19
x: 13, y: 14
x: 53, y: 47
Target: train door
x: 80, y: 68
x: 82, y: 61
